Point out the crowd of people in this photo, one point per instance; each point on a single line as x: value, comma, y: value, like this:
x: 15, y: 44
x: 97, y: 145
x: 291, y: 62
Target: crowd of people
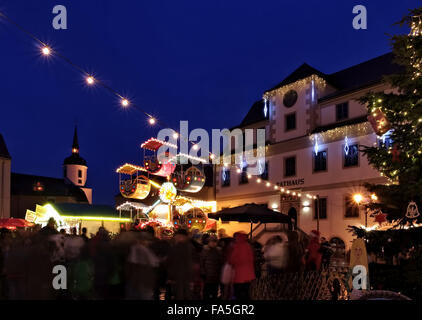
x: 139, y: 264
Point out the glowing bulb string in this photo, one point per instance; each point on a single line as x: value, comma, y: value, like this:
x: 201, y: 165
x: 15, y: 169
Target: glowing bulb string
x: 90, y: 79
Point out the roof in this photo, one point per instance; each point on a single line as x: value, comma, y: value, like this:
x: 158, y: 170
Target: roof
x: 24, y: 184
x: 154, y: 144
x: 354, y: 78
x: 75, y: 158
x: 85, y: 210
x: 362, y: 75
x: 255, y: 114
x: 304, y: 71
x: 4, y: 153
x: 128, y: 168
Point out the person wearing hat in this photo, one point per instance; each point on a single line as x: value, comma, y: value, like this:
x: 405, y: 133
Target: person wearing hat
x: 313, y: 252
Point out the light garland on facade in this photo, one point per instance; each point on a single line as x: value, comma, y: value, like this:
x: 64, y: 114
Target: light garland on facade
x: 355, y: 130
x: 300, y: 84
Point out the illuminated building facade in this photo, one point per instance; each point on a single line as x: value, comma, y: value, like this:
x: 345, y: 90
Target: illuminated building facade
x: 314, y: 127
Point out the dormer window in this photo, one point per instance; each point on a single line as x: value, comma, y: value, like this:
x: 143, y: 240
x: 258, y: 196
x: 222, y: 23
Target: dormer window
x: 38, y: 186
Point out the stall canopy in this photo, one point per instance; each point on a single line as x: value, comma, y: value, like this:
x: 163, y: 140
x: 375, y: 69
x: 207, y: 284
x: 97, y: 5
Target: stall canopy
x: 252, y: 213
x: 12, y: 223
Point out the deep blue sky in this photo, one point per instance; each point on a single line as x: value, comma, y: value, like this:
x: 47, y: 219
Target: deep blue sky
x: 202, y: 61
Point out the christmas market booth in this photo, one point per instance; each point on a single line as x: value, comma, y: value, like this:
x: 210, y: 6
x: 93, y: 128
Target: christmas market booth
x: 251, y: 218
x: 76, y: 215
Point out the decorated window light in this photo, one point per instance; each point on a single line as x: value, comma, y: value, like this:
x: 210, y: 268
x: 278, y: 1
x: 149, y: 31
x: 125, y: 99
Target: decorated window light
x: 351, y: 154
x: 225, y: 177
x: 243, y: 178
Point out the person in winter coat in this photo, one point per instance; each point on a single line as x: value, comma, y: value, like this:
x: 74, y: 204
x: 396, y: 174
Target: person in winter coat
x: 241, y: 258
x: 313, y: 252
x: 180, y: 266
x: 211, y: 264
x: 276, y: 255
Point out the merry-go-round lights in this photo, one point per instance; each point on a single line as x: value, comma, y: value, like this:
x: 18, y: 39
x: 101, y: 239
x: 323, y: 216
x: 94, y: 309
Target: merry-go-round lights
x: 175, y: 135
x: 299, y: 194
x: 294, y: 193
x: 152, y: 121
x: 275, y: 187
x: 258, y: 180
x: 282, y: 189
x: 195, y: 147
x: 268, y: 184
x: 124, y: 102
x: 238, y: 170
x: 288, y: 191
x: 46, y: 51
x: 90, y: 80
x: 212, y: 156
x: 249, y: 176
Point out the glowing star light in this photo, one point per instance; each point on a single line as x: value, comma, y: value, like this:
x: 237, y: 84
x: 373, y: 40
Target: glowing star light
x: 46, y: 51
x: 151, y: 121
x: 124, y: 102
x: 90, y: 80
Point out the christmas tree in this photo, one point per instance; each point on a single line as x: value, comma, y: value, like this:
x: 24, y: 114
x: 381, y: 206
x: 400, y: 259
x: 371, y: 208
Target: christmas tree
x: 396, y: 117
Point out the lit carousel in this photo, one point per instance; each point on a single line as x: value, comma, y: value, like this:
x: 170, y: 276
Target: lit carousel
x: 164, y: 190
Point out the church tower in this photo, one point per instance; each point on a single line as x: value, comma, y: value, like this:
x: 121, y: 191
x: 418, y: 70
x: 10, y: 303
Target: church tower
x: 76, y: 169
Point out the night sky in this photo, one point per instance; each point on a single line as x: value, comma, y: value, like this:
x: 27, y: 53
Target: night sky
x: 202, y: 61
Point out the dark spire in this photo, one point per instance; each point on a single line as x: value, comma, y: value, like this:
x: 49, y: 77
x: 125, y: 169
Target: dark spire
x: 75, y: 146
x: 75, y: 158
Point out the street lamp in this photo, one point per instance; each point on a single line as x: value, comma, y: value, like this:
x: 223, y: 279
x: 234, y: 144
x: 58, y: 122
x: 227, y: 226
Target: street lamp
x: 357, y: 198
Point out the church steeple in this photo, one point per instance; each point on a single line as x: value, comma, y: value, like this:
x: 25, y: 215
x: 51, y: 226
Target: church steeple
x: 75, y: 167
x: 75, y: 146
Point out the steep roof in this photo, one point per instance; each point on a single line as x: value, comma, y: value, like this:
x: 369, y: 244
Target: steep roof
x: 4, y: 153
x: 75, y: 158
x: 304, y: 71
x: 362, y: 75
x: 255, y: 114
x: 23, y: 184
x: 356, y: 77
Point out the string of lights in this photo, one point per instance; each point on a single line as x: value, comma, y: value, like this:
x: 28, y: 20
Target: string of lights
x: 47, y: 51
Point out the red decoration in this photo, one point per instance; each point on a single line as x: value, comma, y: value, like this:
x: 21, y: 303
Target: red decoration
x: 379, y: 122
x: 396, y: 154
x: 380, y: 218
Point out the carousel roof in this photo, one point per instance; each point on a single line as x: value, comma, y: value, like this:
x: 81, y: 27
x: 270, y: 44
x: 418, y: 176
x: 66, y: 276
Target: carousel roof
x: 128, y: 168
x: 154, y: 144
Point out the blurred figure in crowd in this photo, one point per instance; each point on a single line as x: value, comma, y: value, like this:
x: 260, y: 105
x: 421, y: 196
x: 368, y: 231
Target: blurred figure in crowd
x: 276, y: 255
x: 211, y: 264
x: 241, y: 258
x: 180, y: 266
x: 313, y: 254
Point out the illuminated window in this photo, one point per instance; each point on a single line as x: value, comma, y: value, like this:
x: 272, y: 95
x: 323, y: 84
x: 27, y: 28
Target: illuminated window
x: 225, y: 177
x: 243, y: 178
x: 352, y: 208
x: 264, y: 175
x: 320, y: 161
x: 351, y: 159
x: 38, y: 186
